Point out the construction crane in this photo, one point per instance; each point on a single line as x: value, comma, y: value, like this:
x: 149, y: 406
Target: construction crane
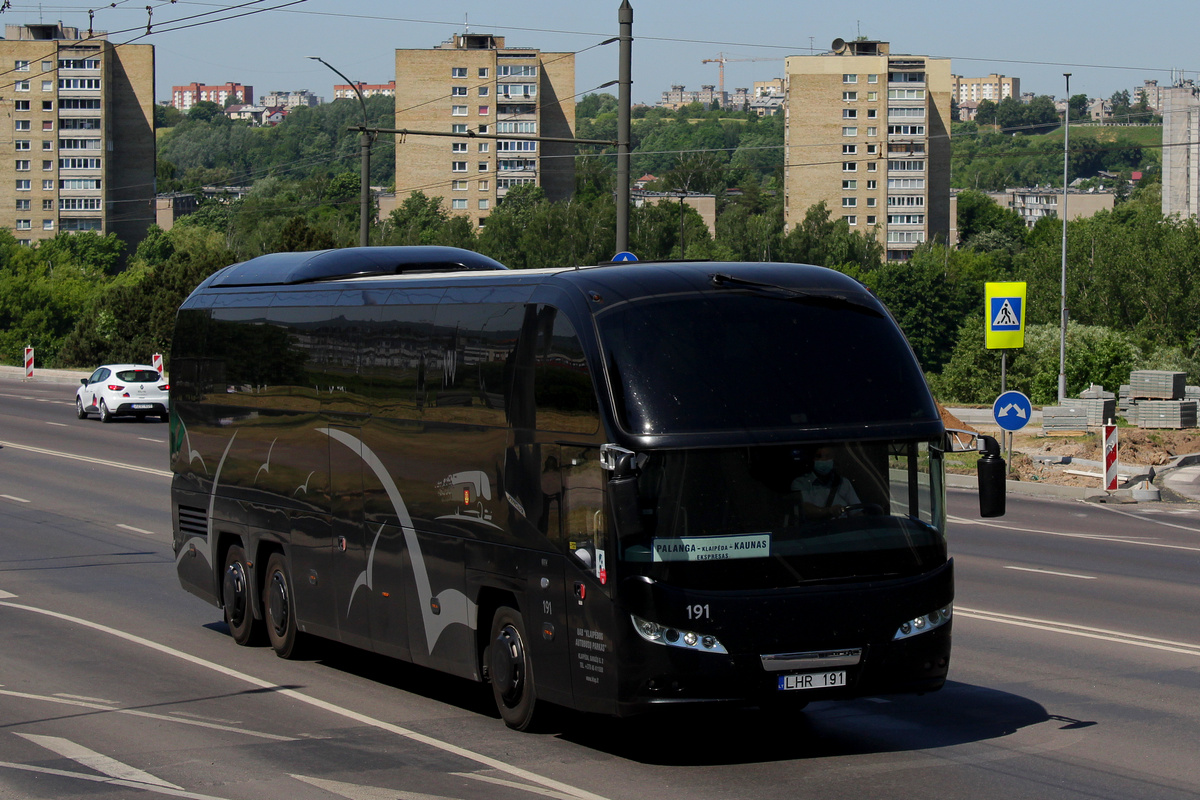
x: 720, y: 61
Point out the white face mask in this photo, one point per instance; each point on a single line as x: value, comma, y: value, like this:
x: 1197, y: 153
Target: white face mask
x: 823, y: 466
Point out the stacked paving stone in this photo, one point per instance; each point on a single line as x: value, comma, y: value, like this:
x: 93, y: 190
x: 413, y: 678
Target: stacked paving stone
x: 1159, y: 399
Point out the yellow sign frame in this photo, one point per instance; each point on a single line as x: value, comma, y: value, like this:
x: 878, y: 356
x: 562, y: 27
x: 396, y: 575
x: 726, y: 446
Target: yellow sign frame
x: 1004, y: 312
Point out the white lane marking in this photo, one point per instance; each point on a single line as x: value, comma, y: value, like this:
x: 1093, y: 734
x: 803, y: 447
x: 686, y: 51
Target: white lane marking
x: 1052, y: 572
x: 135, y: 530
x: 475, y: 776
x: 93, y: 461
x: 352, y: 791
x: 106, y: 705
x: 85, y: 698
x: 58, y: 424
x: 1070, y: 629
x: 83, y: 776
x: 6, y: 596
x: 147, y: 439
x: 355, y: 716
x: 97, y: 761
x: 14, y: 499
x: 1097, y: 537
x: 1148, y: 519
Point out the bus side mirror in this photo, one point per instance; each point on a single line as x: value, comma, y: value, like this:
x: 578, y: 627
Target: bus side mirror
x: 623, y: 466
x: 992, y: 470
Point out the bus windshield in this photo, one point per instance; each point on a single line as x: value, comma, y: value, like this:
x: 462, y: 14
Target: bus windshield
x: 727, y: 360
x: 780, y: 516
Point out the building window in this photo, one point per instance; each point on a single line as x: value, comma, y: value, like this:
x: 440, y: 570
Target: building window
x: 906, y: 94
x: 47, y: 224
x: 21, y: 125
x: 458, y: 111
x: 48, y: 185
x: 459, y: 127
x: 849, y: 202
x: 872, y: 184
x: 91, y: 63
x: 484, y: 147
x: 484, y: 111
x: 872, y: 96
x: 872, y: 113
x: 483, y: 128
x: 849, y: 149
x: 458, y: 205
x: 516, y: 127
x: 872, y: 131
x: 848, y: 78
x: 870, y: 202
x: 48, y: 86
x: 24, y: 224
x: 23, y: 185
x: 483, y: 205
x: 906, y: 166
x: 849, y: 184
x: 22, y: 166
x: 484, y: 186
x: 21, y: 66
x: 849, y: 166
x: 851, y: 219
x: 458, y: 147
x: 872, y: 79
x: 458, y: 72
x: 458, y: 166
x: 484, y: 91
x: 849, y: 131
x: 21, y: 105
x: 48, y: 105
x: 484, y: 72
x: 47, y: 124
x: 47, y: 144
x: 872, y: 166
x: 48, y: 204
x: 22, y: 205
x: 483, y: 166
x: 872, y: 149
x: 22, y: 86
x: 458, y: 91
x: 47, y: 166
x: 849, y: 97
x: 849, y: 113
x: 870, y: 219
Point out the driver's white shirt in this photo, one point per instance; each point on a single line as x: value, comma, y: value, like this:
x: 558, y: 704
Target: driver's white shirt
x: 814, y: 490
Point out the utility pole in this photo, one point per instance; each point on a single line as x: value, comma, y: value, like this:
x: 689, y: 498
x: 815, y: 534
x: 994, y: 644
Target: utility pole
x: 624, y: 124
x: 1062, y: 214
x: 364, y: 146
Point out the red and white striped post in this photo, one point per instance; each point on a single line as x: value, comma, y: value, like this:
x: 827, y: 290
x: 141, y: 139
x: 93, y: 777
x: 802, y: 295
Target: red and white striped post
x: 158, y: 363
x: 1110, y: 457
x: 29, y: 363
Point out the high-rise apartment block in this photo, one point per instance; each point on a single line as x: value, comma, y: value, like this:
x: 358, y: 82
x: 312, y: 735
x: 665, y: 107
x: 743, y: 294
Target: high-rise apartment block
x: 184, y: 97
x: 346, y: 91
x: 994, y: 87
x: 868, y: 132
x: 475, y: 84
x: 79, y: 150
x: 1181, y: 150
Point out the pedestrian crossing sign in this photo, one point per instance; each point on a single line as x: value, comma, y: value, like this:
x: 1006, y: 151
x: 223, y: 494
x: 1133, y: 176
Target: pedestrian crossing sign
x: 1004, y: 310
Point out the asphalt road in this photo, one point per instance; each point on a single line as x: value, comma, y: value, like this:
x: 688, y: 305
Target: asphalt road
x: 1076, y: 669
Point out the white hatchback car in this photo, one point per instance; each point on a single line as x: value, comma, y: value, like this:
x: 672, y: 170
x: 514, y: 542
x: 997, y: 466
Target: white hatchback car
x: 122, y: 390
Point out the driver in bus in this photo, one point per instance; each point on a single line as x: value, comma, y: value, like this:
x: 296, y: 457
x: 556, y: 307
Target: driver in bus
x: 824, y: 493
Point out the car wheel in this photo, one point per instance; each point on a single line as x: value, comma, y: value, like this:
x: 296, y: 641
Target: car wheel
x: 79, y: 412
x: 105, y: 414
x: 279, y: 608
x: 235, y: 597
x: 510, y: 668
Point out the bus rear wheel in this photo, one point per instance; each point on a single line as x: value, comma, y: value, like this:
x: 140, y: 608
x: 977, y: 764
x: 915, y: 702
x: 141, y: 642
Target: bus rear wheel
x: 235, y: 597
x: 279, y: 608
x: 510, y: 668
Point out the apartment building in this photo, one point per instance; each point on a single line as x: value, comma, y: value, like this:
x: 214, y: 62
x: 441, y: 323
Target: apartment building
x: 184, y: 97
x: 475, y: 83
x: 79, y: 151
x: 867, y: 132
x: 290, y: 100
x: 679, y: 97
x: 994, y: 87
x: 1181, y: 150
x: 345, y: 90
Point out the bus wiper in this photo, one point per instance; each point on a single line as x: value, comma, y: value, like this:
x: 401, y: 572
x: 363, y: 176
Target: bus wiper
x: 720, y: 280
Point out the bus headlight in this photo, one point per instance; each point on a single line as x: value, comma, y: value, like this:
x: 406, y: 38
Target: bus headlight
x: 924, y: 623
x: 675, y: 637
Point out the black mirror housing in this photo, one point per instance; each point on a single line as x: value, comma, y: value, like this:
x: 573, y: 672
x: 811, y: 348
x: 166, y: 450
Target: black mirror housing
x: 992, y: 473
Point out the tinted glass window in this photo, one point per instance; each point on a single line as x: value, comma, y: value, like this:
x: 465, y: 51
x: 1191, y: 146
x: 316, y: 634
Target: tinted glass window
x: 138, y: 375
x: 733, y: 360
x: 563, y: 390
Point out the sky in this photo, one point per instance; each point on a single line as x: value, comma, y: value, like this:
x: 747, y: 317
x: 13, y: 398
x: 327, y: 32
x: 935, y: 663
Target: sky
x: 1106, y: 45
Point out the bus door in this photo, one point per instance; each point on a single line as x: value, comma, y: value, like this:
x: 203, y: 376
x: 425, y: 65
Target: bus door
x: 349, y: 569
x: 590, y: 616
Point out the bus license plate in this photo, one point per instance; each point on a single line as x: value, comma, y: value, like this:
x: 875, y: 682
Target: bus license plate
x: 812, y: 680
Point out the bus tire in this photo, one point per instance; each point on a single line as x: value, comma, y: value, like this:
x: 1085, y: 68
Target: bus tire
x: 510, y: 668
x: 279, y: 609
x: 235, y: 597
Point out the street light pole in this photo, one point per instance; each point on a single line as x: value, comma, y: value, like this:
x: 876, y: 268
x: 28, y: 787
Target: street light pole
x: 364, y: 146
x: 681, y: 195
x: 1062, y: 215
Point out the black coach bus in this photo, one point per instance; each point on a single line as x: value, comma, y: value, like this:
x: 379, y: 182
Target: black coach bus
x: 606, y: 488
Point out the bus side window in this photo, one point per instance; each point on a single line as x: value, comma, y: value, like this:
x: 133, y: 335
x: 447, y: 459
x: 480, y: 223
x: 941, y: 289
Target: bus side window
x: 564, y: 391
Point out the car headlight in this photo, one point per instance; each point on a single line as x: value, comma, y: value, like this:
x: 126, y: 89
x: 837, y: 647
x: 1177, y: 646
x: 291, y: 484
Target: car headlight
x: 676, y: 637
x: 924, y: 623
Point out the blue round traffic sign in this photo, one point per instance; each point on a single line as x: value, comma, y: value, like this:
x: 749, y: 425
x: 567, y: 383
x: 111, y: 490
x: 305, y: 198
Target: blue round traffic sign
x: 1012, y: 411
x: 625, y: 255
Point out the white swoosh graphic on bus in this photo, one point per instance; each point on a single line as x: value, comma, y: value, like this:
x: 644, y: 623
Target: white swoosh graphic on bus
x: 365, y: 578
x: 455, y: 606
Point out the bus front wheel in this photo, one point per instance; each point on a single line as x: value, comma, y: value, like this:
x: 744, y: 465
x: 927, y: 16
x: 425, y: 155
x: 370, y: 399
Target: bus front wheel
x: 510, y: 667
x: 235, y: 597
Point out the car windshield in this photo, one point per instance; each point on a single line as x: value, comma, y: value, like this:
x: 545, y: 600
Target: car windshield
x: 731, y: 359
x: 138, y: 375
x: 777, y: 516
